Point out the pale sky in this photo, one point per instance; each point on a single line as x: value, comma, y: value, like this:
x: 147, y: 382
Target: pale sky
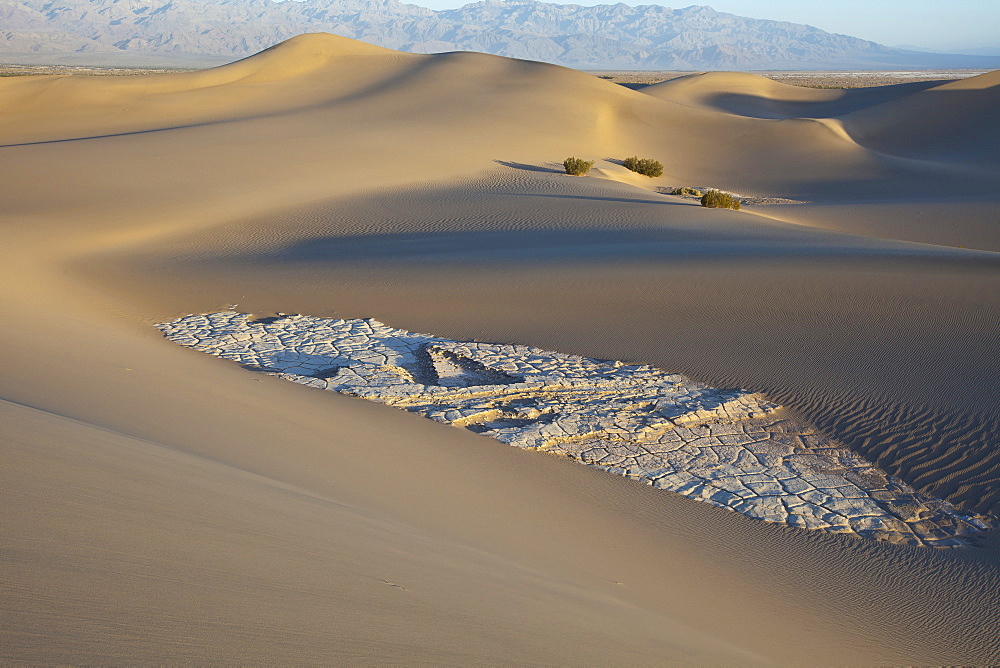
x: 931, y: 24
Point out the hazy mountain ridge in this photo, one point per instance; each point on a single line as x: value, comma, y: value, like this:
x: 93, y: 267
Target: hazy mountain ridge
x: 604, y: 36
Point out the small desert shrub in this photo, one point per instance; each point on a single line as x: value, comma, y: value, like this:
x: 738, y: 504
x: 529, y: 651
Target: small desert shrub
x: 719, y: 200
x: 693, y: 192
x: 576, y: 166
x: 644, y: 166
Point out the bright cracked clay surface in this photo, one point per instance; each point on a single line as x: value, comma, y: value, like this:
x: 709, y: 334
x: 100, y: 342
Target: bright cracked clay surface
x: 729, y: 448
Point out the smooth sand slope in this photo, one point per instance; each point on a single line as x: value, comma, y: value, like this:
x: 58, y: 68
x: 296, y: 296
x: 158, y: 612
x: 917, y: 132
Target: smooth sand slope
x: 162, y: 505
x: 745, y: 94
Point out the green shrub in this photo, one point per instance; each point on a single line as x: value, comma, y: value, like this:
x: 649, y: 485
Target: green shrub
x: 644, y: 166
x: 719, y: 200
x: 576, y: 166
x: 694, y: 192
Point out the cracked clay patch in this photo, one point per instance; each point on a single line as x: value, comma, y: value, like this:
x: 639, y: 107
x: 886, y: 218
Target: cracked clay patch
x: 728, y: 448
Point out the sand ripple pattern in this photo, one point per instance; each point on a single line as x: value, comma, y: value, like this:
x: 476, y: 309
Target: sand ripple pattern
x: 728, y: 448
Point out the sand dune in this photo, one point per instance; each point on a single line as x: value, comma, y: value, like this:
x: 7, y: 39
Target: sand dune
x: 746, y: 94
x: 166, y: 506
x: 288, y: 76
x: 955, y: 121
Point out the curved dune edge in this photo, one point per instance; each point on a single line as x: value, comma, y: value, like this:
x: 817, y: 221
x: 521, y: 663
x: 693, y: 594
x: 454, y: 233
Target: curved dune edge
x: 729, y: 448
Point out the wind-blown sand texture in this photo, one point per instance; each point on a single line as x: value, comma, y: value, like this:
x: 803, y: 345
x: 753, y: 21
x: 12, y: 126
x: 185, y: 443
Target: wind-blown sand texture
x: 725, y: 447
x: 166, y: 506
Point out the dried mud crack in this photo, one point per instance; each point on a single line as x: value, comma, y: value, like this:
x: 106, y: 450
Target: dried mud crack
x: 729, y: 448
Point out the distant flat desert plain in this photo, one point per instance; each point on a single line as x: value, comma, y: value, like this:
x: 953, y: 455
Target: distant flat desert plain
x: 809, y: 79
x: 321, y: 356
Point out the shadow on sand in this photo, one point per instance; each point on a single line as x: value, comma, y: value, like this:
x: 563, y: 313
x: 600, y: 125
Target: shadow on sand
x: 548, y: 168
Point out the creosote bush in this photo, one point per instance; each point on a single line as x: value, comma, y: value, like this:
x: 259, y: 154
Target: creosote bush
x: 716, y: 199
x: 644, y: 166
x: 693, y: 192
x: 577, y: 166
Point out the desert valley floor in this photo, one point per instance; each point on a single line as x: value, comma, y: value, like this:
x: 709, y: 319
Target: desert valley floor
x: 163, y: 505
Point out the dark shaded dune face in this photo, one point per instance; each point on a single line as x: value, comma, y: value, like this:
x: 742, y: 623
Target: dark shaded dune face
x: 923, y: 140
x: 754, y: 96
x: 956, y: 122
x: 952, y: 121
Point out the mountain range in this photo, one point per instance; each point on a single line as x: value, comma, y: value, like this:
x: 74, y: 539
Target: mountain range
x: 600, y: 37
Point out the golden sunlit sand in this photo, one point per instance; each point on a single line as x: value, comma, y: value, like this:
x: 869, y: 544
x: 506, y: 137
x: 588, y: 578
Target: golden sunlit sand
x: 166, y: 506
